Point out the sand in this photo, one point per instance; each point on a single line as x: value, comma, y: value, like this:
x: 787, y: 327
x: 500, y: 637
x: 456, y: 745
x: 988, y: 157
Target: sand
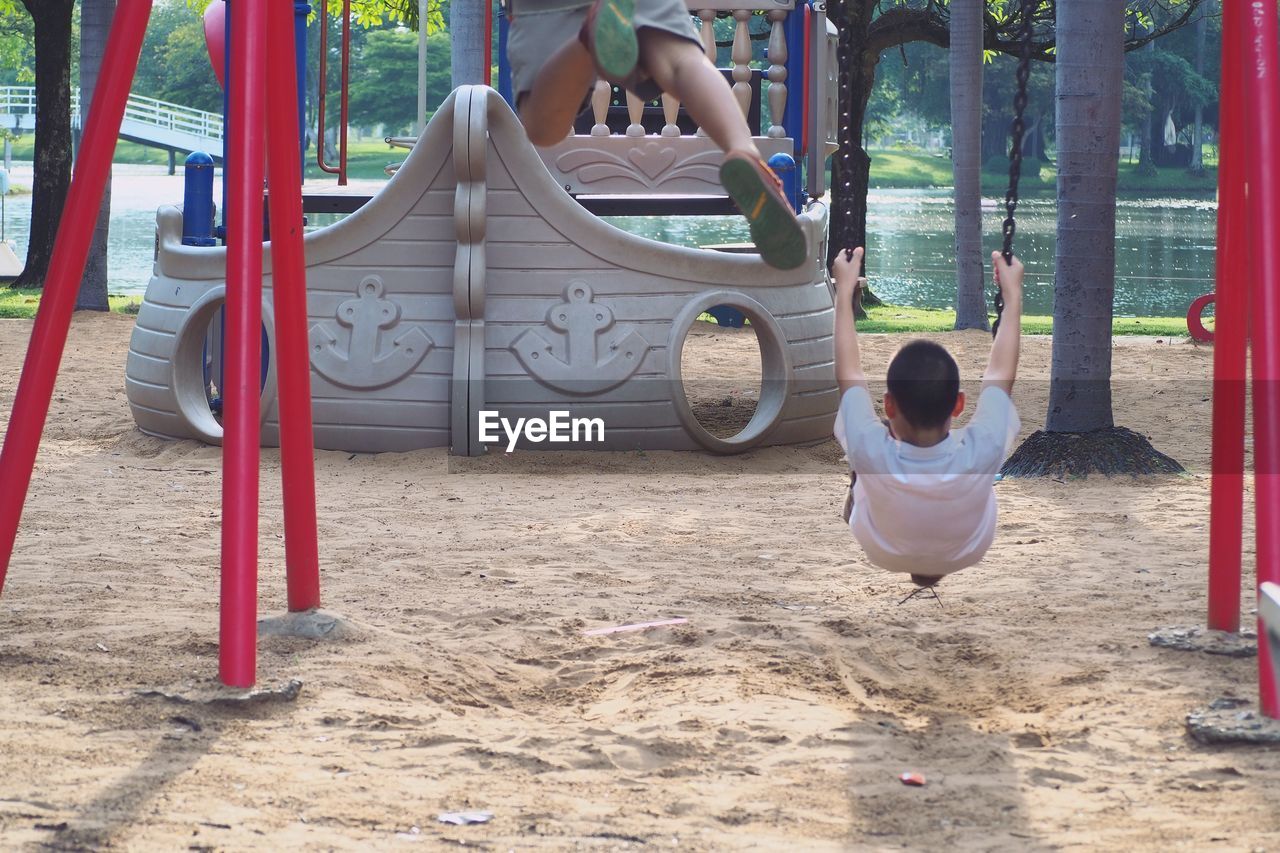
x: 779, y: 716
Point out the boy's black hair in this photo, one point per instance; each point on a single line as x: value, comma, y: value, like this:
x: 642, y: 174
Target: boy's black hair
x: 925, y: 382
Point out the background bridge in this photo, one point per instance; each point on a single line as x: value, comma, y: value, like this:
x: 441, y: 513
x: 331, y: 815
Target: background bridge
x: 147, y: 121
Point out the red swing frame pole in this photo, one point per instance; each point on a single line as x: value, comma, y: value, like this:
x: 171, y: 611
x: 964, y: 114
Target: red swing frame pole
x: 238, y: 630
x: 289, y: 295
x: 1231, y: 332
x: 1260, y: 48
x: 70, y: 251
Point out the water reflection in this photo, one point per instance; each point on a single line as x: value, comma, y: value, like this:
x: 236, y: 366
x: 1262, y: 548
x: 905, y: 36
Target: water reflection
x: 1164, y: 246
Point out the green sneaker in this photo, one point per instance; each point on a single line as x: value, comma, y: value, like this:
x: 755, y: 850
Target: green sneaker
x: 610, y: 35
x: 757, y: 192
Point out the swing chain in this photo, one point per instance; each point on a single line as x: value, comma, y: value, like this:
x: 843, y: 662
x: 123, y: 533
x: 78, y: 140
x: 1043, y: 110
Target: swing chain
x: 843, y: 192
x: 1023, y: 76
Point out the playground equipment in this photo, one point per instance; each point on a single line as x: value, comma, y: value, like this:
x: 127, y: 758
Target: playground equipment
x: 473, y: 282
x: 493, y: 286
x: 1195, y: 322
x: 253, y: 108
x: 1248, y: 253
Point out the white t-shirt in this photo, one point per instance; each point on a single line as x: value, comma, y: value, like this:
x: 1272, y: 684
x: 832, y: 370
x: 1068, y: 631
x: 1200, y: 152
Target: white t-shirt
x: 925, y: 510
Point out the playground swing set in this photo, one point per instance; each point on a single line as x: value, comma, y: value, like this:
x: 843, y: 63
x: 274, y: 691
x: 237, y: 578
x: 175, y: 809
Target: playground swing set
x: 476, y: 134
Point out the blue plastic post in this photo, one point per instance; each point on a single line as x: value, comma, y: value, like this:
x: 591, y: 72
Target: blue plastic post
x: 797, y: 85
x: 228, y: 64
x: 301, y: 11
x: 784, y: 165
x: 197, y: 201
x: 504, y: 67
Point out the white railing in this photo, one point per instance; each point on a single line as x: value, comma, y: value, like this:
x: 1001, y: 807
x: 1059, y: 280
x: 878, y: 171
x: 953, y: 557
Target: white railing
x: 173, y: 117
x: 162, y: 115
x: 741, y: 54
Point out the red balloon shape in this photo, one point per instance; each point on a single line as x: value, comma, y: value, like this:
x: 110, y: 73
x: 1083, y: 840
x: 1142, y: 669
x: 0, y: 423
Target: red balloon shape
x: 215, y: 31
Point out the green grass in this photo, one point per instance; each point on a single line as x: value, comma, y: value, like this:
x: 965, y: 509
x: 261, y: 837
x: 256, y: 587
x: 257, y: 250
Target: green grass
x: 892, y: 319
x: 898, y: 319
x: 913, y: 169
x: 365, y: 160
x: 21, y: 303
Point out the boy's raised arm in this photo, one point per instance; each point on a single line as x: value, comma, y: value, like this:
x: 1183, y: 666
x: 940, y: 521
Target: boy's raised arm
x: 1002, y: 367
x: 846, y: 271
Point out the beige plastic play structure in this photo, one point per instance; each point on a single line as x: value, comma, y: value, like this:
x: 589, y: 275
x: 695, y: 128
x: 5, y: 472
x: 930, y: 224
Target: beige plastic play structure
x: 474, y: 282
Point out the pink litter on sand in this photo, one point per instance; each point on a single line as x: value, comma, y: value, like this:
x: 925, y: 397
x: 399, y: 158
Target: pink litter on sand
x: 639, y: 626
x: 915, y: 780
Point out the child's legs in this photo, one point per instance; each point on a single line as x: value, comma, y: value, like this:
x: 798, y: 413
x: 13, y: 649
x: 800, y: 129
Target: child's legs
x: 550, y: 107
x: 682, y: 70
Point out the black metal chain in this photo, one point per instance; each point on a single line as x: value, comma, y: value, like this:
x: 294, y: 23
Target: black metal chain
x: 1026, y: 10
x: 842, y: 195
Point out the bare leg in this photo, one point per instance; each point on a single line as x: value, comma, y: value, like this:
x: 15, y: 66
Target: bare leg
x: 683, y: 70
x: 548, y: 110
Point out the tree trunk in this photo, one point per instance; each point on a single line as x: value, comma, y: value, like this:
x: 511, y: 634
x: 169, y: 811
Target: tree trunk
x: 466, y: 29
x: 1080, y: 435
x: 966, y: 164
x: 52, y: 167
x: 1146, y: 163
x: 1197, y: 137
x: 849, y: 186
x: 1090, y: 75
x: 848, y: 223
x: 995, y: 134
x: 95, y: 23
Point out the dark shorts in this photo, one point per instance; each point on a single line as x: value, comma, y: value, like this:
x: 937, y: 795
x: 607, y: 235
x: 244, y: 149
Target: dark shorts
x: 540, y: 27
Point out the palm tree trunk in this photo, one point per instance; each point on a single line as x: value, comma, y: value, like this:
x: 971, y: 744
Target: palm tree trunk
x: 466, y: 29
x: 95, y: 23
x: 1090, y: 73
x: 1079, y: 435
x: 52, y: 167
x: 966, y: 163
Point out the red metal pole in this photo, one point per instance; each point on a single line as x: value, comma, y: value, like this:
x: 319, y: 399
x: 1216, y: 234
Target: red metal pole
x: 1230, y: 342
x: 289, y: 292
x: 323, y: 93
x: 346, y: 91
x: 70, y: 250
x: 238, y: 650
x: 1262, y: 55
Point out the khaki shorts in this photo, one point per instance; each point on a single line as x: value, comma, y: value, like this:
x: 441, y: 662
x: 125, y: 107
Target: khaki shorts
x: 540, y: 27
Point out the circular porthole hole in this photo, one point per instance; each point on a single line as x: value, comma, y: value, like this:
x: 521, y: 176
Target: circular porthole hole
x: 730, y: 385
x: 722, y: 371
x: 200, y: 366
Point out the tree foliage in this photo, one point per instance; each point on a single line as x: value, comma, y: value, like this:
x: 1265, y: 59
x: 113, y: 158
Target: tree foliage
x: 374, y: 13
x: 17, y: 46
x: 385, y: 92
x: 174, y: 65
x: 874, y: 27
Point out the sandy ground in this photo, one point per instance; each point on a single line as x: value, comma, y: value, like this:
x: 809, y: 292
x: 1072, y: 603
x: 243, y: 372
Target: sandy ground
x: 779, y: 716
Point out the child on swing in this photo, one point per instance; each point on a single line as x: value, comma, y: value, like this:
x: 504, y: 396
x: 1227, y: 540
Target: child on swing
x: 921, y: 495
x: 557, y: 48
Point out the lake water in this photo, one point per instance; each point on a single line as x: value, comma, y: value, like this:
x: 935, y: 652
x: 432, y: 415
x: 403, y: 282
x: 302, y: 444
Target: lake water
x: 1164, y: 246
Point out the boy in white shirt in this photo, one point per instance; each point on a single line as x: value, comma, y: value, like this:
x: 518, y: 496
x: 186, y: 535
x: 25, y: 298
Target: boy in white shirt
x: 922, y: 494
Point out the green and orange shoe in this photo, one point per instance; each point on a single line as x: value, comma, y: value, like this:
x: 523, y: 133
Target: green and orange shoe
x: 757, y: 192
x: 609, y: 34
